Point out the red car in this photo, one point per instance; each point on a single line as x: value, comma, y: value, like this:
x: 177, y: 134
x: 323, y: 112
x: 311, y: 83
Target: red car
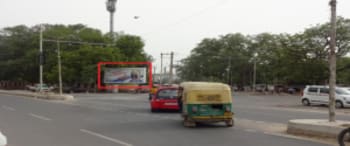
x: 166, y: 98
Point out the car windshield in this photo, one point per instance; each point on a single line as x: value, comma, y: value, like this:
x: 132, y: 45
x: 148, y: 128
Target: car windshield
x: 342, y: 91
x: 167, y: 94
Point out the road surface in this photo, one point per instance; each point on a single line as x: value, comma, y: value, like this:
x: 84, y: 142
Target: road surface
x: 125, y: 119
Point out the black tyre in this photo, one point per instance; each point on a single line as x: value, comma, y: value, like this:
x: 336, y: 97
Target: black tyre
x: 306, y: 102
x: 343, y: 137
x: 339, y: 104
x: 230, y: 123
x: 153, y: 110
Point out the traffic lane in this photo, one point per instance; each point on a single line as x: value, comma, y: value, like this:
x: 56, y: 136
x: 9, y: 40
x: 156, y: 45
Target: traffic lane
x: 51, y: 109
x: 28, y: 129
x: 258, y: 112
x: 172, y: 133
x: 279, y: 115
x: 266, y: 100
x: 124, y: 124
x: 111, y: 96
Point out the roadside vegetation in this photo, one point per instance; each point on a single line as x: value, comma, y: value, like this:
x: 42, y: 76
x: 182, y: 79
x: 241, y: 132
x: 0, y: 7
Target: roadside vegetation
x: 281, y: 59
x: 19, y: 52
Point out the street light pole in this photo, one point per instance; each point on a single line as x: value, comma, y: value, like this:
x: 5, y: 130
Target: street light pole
x: 41, y: 59
x: 59, y: 67
x: 254, y: 75
x: 111, y: 9
x: 171, y: 68
x: 254, y: 71
x: 161, y: 68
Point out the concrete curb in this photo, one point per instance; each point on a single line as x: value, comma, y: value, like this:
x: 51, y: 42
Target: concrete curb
x: 316, y: 127
x: 48, y: 96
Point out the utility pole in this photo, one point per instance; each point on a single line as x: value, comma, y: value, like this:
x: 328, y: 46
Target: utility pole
x: 171, y: 68
x: 41, y: 59
x: 59, y: 67
x: 229, y: 70
x: 254, y: 75
x: 161, y: 68
x: 332, y: 61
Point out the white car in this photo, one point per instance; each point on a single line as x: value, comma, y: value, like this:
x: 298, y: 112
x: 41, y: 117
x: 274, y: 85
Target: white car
x: 36, y: 88
x: 3, y: 140
x: 316, y: 94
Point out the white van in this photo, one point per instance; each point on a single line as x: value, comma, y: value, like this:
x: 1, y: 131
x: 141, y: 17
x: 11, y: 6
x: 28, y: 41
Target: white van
x: 316, y: 94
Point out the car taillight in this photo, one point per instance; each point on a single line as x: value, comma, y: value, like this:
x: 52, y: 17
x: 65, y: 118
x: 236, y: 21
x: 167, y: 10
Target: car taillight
x: 194, y: 109
x: 228, y: 108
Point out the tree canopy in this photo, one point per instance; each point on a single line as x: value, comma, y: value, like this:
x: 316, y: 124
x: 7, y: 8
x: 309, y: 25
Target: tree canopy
x: 300, y: 58
x: 19, y: 52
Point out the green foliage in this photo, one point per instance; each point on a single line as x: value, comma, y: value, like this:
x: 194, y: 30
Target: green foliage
x: 19, y: 51
x: 281, y: 58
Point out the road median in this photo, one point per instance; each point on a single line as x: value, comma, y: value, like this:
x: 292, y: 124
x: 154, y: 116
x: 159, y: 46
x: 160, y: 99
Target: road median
x: 316, y: 127
x: 45, y: 95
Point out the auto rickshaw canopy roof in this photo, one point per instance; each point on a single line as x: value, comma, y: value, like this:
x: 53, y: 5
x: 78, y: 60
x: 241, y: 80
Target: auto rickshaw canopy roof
x: 206, y: 92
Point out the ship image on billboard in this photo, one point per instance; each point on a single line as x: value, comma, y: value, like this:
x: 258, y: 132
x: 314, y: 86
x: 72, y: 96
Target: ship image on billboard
x: 125, y: 75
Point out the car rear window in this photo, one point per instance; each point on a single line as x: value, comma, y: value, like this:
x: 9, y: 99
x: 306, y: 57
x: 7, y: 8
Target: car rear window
x: 167, y: 94
x: 312, y: 90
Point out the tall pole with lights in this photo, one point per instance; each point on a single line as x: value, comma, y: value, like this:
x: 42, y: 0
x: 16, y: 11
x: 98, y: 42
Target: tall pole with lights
x: 41, y: 58
x: 111, y: 9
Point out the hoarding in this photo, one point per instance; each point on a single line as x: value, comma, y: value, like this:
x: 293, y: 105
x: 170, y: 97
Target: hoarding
x: 125, y: 75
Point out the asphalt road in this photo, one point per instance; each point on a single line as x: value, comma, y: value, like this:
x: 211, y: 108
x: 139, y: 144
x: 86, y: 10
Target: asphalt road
x: 125, y: 119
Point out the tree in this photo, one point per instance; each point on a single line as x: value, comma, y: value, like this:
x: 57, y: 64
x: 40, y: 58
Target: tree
x: 19, y: 52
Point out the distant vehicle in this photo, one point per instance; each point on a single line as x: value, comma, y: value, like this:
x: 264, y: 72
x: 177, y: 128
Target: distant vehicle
x: 291, y: 90
x: 166, y: 98
x: 36, y: 88
x: 260, y: 87
x: 320, y: 95
x: 3, y: 140
x: 153, y: 91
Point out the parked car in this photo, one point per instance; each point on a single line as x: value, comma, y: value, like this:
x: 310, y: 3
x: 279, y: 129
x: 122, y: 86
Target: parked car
x: 291, y: 90
x: 3, y: 140
x: 36, y: 88
x: 166, y: 98
x: 317, y: 94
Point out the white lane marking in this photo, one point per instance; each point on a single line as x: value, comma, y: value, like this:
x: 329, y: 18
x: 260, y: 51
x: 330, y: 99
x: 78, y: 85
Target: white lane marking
x: 40, y: 117
x: 250, y: 130
x: 8, y: 108
x: 259, y: 122
x: 106, y: 137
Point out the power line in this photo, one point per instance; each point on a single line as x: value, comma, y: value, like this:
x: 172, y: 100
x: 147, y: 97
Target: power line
x: 187, y: 18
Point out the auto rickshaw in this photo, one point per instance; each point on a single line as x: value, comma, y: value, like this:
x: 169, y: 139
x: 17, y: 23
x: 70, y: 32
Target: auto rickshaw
x: 205, y: 102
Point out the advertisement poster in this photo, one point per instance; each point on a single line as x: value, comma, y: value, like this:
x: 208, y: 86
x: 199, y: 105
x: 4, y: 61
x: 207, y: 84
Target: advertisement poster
x: 125, y: 75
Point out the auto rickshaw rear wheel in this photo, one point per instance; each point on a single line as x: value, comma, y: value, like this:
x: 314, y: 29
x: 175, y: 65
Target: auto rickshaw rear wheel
x: 188, y: 123
x: 230, y: 123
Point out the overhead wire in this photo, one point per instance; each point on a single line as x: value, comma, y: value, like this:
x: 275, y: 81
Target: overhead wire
x: 187, y: 18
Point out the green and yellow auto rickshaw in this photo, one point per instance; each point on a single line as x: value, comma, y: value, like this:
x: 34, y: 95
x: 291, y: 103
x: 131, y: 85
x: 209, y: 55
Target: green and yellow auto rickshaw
x: 205, y: 102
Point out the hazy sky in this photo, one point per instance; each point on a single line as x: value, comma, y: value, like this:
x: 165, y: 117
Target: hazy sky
x: 175, y: 25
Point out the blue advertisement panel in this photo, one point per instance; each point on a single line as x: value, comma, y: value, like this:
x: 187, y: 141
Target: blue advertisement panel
x: 125, y: 75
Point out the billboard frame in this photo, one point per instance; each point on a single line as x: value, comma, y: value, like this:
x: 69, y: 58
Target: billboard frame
x: 101, y: 87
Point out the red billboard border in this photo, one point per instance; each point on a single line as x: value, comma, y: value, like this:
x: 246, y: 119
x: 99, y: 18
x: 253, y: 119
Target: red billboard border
x: 100, y: 87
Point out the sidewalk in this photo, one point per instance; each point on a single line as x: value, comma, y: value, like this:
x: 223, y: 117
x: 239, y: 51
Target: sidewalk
x: 316, y: 127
